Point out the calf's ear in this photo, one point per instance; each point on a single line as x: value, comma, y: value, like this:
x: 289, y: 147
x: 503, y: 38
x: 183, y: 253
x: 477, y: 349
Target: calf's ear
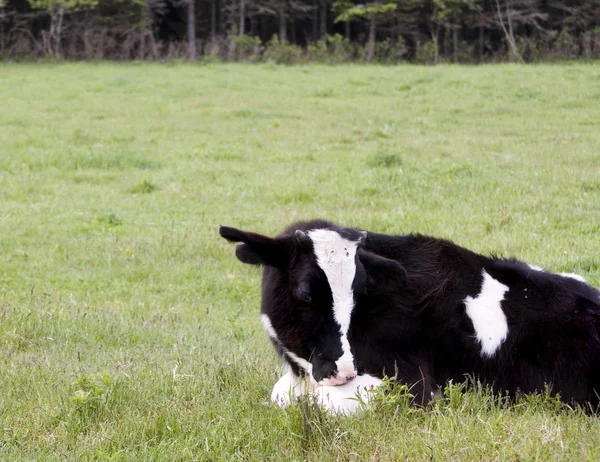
x: 256, y: 248
x: 382, y: 271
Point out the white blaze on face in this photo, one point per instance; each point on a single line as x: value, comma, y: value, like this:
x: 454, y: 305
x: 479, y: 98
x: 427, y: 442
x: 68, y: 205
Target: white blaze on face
x: 485, y: 311
x: 336, y: 257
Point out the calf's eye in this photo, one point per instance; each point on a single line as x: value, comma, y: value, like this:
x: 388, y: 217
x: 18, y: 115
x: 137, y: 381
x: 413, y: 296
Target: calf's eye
x: 305, y: 296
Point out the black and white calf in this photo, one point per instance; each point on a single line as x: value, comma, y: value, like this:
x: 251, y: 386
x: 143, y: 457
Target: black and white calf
x: 339, y: 302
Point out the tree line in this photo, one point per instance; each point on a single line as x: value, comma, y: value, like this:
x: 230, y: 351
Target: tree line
x: 427, y: 31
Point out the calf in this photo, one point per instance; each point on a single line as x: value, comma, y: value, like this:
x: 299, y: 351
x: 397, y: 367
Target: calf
x: 340, y: 302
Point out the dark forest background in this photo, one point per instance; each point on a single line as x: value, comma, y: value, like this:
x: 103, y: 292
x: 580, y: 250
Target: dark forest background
x: 425, y: 31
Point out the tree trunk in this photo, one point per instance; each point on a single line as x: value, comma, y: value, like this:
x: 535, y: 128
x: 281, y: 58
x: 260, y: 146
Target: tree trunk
x: 222, y: 19
x: 191, y: 23
x: 481, y: 44
x: 142, y: 48
x: 144, y: 19
x: 435, y: 32
x: 59, y: 31
x: 213, y: 20
x: 454, y: 43
x: 511, y: 35
x: 371, y: 42
x: 508, y: 33
x: 153, y: 46
x: 347, y: 29
x: 282, y: 27
x: 315, y: 22
x: 242, y: 16
x: 54, y: 38
x: 2, y: 36
x: 435, y: 37
x: 323, y: 22
x: 293, y: 28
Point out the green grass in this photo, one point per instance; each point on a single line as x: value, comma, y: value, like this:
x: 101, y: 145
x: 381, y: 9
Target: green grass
x: 128, y: 329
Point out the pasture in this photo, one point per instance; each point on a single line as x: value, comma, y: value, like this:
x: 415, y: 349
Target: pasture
x: 129, y: 330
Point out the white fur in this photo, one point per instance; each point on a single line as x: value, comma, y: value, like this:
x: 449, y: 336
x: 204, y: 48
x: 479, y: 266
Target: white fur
x: 335, y: 256
x: 573, y: 276
x: 348, y: 398
x: 566, y: 275
x: 485, y: 311
x: 343, y: 399
x: 266, y: 322
x: 300, y: 362
x: 288, y: 388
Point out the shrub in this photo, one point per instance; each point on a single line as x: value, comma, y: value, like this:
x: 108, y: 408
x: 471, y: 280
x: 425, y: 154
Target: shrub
x: 318, y: 51
x: 530, y: 49
x: 213, y: 51
x: 385, y: 159
x: 246, y: 48
x: 425, y: 52
x: 390, y: 52
x: 282, y: 52
x: 590, y: 44
x: 565, y: 46
x: 145, y: 187
x: 332, y: 49
x: 95, y: 397
x: 341, y: 49
x: 465, y: 52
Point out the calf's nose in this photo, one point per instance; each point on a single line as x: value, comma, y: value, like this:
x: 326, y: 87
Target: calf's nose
x: 338, y: 377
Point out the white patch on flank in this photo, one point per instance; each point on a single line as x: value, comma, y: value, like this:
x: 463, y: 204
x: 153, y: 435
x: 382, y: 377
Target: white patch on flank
x: 536, y: 268
x: 573, y: 276
x: 300, y: 362
x: 485, y: 311
x: 335, y: 256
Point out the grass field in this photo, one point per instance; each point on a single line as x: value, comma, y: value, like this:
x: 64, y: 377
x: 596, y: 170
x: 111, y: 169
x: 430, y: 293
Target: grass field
x: 129, y: 331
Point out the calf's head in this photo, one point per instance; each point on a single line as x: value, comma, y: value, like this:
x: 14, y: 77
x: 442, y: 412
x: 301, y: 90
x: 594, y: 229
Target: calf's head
x: 314, y: 275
